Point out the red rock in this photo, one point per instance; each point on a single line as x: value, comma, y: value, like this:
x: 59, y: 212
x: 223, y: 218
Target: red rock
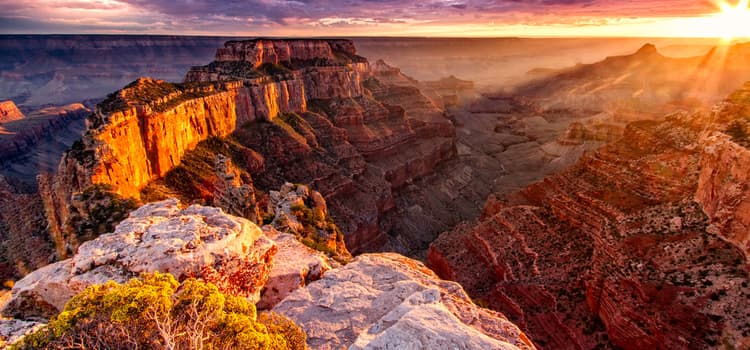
x: 350, y: 137
x: 9, y: 112
x: 614, y: 251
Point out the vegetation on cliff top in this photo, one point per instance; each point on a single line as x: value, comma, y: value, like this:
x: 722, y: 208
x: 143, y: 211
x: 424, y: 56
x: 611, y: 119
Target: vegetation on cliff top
x: 98, y: 210
x: 318, y: 227
x: 157, y: 312
x: 193, y: 180
x: 159, y: 95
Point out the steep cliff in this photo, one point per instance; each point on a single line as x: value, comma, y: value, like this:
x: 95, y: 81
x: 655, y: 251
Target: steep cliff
x: 19, y: 134
x: 9, y: 112
x: 724, y: 180
x: 301, y: 111
x: 635, y: 261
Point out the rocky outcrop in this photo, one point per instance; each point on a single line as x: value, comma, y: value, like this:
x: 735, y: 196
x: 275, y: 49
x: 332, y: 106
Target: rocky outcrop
x: 724, y: 179
x: 352, y: 138
x: 724, y: 187
x: 9, y: 112
x: 634, y: 262
x: 196, y: 241
x: 18, y: 133
x: 12, y: 330
x: 233, y: 193
x: 381, y: 301
x: 294, y: 266
x: 303, y: 213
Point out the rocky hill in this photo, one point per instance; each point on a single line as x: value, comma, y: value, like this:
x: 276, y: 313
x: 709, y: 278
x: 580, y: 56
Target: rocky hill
x: 20, y: 134
x: 376, y: 301
x: 642, y: 244
x: 645, y: 81
x: 300, y: 111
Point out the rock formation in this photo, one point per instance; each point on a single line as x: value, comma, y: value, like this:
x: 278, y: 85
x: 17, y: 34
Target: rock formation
x: 233, y: 193
x: 299, y: 211
x: 640, y: 245
x: 12, y: 330
x: 9, y: 112
x: 294, y: 266
x: 384, y: 301
x: 196, y: 241
x: 301, y: 111
x: 645, y: 81
x: 18, y: 133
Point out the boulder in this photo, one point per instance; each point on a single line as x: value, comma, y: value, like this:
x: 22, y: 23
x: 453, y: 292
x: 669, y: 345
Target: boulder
x: 11, y: 330
x: 387, y: 301
x: 197, y: 241
x: 294, y: 266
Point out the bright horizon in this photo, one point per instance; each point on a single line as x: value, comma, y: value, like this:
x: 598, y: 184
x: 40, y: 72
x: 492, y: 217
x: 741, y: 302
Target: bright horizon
x: 386, y: 18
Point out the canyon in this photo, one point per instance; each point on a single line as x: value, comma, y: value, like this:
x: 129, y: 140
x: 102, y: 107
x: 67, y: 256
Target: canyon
x: 608, y: 221
x: 293, y: 111
x: 649, y: 248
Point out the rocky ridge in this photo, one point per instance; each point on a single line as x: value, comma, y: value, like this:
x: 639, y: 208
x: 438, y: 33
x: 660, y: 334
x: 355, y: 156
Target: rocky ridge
x: 649, y: 248
x: 197, y: 241
x: 301, y: 111
x: 19, y: 133
x: 400, y: 302
x: 383, y: 301
x: 9, y: 112
x: 646, y: 82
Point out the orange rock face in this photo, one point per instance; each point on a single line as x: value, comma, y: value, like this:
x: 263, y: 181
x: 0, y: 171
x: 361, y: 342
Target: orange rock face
x: 309, y: 111
x: 258, y: 52
x: 9, y: 112
x: 615, y: 251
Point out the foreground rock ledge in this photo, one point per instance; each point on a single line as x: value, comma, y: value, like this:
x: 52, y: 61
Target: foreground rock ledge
x: 197, y: 241
x: 387, y: 301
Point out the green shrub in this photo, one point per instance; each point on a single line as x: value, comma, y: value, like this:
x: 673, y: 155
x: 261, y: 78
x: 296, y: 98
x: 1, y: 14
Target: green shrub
x: 157, y: 312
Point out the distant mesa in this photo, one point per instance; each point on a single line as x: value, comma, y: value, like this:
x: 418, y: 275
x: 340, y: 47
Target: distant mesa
x: 647, y: 49
x: 9, y: 112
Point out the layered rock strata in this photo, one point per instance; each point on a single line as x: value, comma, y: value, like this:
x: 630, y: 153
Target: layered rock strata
x: 19, y: 133
x: 284, y: 110
x: 635, y: 262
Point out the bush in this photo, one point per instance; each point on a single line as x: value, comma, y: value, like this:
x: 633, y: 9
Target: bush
x: 157, y: 312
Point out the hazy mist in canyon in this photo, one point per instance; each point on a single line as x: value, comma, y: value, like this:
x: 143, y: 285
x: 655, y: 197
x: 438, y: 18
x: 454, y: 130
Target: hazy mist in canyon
x: 41, y: 70
x: 587, y: 193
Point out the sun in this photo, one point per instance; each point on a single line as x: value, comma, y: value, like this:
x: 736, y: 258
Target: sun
x: 733, y: 22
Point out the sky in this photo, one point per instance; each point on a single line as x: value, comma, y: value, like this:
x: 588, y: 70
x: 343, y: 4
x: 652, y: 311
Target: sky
x: 440, y: 18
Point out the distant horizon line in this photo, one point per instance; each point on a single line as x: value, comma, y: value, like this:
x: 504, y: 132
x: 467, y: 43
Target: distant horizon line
x: 373, y: 36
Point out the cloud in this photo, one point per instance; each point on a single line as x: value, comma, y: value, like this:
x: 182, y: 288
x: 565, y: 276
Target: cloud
x: 285, y: 17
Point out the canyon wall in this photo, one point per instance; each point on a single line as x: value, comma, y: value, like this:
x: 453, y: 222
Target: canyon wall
x: 616, y: 251
x: 9, y: 112
x: 308, y: 111
x: 19, y: 133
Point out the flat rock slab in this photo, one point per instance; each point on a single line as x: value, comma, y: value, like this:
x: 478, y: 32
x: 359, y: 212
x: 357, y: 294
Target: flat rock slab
x: 387, y: 301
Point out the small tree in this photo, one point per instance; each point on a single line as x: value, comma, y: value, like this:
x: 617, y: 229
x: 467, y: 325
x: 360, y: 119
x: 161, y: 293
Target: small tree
x: 157, y: 312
